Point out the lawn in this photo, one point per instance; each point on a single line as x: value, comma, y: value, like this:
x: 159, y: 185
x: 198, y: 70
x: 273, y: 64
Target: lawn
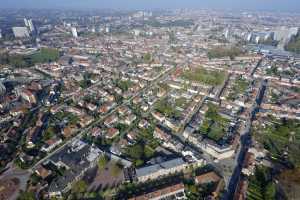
x: 204, y: 76
x: 220, y: 52
x: 166, y: 108
x: 45, y: 55
x: 294, y: 45
x: 181, y: 102
x: 239, y: 87
x: 214, y: 125
x: 261, y: 186
x: 124, y: 85
x: 279, y: 137
x: 72, y: 119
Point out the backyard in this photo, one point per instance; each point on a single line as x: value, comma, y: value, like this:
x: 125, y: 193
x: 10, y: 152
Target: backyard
x: 281, y: 138
x: 214, y: 125
x: 239, y: 87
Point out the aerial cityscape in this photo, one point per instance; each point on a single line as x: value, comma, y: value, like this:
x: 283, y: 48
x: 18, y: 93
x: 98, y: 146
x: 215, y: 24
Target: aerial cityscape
x: 98, y: 103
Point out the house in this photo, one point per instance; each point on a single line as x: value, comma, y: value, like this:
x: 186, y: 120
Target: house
x: 111, y: 133
x: 143, y: 123
x: 109, y: 121
x: 158, y: 116
x: 68, y: 131
x: 123, y: 110
x: 174, y: 192
x: 129, y: 119
x: 42, y: 172
x: 51, y: 144
x: 85, y: 120
x: 160, y: 134
x: 28, y: 96
x: 160, y: 169
x: 132, y: 135
x: 96, y: 132
x: 145, y: 107
x: 211, y: 177
x: 137, y: 100
x: 91, y: 107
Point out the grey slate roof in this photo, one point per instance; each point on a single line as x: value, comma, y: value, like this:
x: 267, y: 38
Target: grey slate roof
x: 163, y: 165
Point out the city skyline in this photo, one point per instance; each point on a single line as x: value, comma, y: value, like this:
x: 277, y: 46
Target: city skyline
x: 268, y: 5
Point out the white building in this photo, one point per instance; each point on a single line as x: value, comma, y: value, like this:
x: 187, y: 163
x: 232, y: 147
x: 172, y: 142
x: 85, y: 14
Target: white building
x: 74, y: 32
x: 30, y: 25
x: 26, y: 22
x: 20, y: 32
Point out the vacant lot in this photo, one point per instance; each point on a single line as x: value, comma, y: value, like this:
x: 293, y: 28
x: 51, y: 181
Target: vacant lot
x: 8, y: 188
x: 104, y: 178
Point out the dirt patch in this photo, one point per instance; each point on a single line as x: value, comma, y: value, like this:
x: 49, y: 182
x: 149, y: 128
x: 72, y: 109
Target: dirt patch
x: 8, y: 187
x: 101, y: 179
x: 290, y: 182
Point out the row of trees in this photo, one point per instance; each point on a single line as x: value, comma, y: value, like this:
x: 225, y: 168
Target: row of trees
x: 220, y: 52
x: 294, y: 45
x: 43, y: 56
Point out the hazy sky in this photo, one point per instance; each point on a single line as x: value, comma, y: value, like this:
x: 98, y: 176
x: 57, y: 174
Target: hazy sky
x: 277, y: 5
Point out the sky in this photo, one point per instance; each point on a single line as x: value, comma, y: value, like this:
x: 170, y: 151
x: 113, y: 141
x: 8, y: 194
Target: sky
x: 275, y: 5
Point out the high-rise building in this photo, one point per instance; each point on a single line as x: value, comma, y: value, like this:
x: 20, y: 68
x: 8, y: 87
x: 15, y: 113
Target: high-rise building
x: 2, y: 89
x: 30, y: 25
x: 20, y: 32
x: 74, y: 32
x: 26, y: 22
x: 0, y: 33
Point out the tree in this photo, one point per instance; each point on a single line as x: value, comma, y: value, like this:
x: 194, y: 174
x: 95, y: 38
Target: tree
x: 270, y: 191
x: 116, y: 169
x: 102, y: 162
x: 80, y: 187
x: 136, y: 151
x: 147, y: 57
x: 26, y: 196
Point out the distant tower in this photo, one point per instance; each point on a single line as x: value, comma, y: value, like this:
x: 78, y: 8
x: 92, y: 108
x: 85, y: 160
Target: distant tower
x: 74, y: 32
x: 0, y: 34
x: 2, y: 90
x: 30, y: 25
x: 107, y: 29
x: 227, y: 33
x: 26, y: 22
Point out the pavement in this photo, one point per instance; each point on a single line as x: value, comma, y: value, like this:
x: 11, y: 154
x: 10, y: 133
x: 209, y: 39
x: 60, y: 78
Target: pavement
x: 14, y: 172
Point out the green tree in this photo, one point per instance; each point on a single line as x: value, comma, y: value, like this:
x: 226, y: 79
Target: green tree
x: 26, y: 196
x: 80, y: 187
x: 270, y: 191
x: 102, y: 162
x: 116, y: 169
x: 136, y: 151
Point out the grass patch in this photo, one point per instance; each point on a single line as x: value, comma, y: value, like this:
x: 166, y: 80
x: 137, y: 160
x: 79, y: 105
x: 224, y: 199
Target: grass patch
x: 124, y: 85
x: 279, y: 137
x: 204, y: 76
x: 43, y: 56
x: 166, y: 108
x: 220, y: 52
x: 214, y: 125
x: 239, y: 87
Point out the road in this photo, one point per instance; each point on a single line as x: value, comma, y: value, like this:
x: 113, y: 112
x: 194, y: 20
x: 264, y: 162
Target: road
x: 244, y: 145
